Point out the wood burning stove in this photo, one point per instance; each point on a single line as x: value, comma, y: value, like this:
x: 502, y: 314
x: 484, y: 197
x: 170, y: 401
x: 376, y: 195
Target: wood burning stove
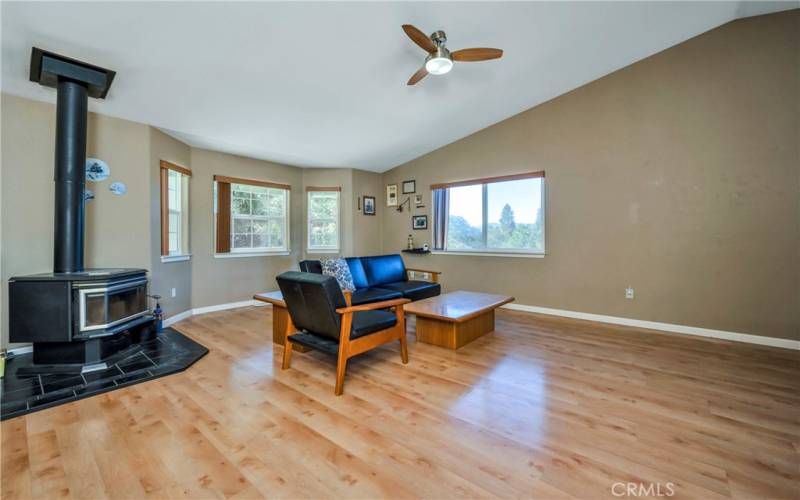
x: 76, y: 318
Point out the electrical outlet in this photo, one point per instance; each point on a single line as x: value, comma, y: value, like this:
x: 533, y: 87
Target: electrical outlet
x: 173, y: 292
x: 628, y: 293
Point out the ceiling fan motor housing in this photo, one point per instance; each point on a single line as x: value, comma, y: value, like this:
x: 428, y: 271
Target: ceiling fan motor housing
x: 439, y: 38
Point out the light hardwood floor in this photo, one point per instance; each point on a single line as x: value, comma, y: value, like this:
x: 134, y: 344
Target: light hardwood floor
x: 544, y: 407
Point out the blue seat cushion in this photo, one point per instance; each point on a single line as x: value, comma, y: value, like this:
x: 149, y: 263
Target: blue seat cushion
x: 357, y: 272
x: 366, y: 322
x: 367, y: 295
x: 415, y: 290
x: 382, y: 269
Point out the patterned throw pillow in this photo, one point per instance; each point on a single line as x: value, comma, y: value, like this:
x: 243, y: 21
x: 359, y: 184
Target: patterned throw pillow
x: 339, y: 269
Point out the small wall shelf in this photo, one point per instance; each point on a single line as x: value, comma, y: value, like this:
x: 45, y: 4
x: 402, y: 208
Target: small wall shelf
x: 417, y: 250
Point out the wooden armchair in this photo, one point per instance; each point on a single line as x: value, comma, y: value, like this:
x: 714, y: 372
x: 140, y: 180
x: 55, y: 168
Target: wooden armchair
x: 327, y: 323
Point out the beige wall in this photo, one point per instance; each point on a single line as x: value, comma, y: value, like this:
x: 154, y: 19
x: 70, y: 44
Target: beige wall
x: 125, y: 230
x: 168, y: 275
x: 117, y: 232
x: 223, y: 280
x: 367, y: 235
x: 678, y: 175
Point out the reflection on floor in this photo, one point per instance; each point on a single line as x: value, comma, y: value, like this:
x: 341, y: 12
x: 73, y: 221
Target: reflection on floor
x: 543, y: 408
x: 167, y: 353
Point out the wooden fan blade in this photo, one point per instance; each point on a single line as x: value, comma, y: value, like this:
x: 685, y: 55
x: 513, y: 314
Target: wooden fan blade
x: 419, y: 38
x: 419, y: 75
x: 476, y: 54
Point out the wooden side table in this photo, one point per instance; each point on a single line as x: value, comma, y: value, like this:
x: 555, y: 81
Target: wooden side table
x: 281, y: 321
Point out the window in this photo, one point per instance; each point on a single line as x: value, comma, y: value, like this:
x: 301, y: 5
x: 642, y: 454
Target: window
x: 252, y: 216
x: 323, y: 219
x: 494, y: 215
x: 174, y: 209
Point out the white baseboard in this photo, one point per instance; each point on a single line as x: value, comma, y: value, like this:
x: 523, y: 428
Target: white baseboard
x: 172, y: 319
x: 664, y: 327
x: 209, y: 309
x: 615, y: 320
x: 229, y: 305
x: 177, y: 317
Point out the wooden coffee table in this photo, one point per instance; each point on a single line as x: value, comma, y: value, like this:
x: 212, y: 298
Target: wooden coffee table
x: 457, y: 318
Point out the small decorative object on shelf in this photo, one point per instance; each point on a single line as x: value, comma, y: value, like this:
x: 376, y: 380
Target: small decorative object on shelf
x: 410, y: 244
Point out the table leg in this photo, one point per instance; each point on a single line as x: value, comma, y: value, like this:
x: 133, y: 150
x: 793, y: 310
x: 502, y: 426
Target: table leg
x: 281, y: 325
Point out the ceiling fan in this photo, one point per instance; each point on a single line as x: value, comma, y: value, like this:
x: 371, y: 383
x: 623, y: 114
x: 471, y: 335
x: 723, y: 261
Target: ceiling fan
x: 440, y: 60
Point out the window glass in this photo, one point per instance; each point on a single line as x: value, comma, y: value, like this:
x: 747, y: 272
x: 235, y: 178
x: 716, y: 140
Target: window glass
x: 259, y: 219
x: 503, y: 216
x: 323, y: 220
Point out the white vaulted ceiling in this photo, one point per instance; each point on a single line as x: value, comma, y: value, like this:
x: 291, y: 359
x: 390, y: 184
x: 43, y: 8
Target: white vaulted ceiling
x: 323, y: 84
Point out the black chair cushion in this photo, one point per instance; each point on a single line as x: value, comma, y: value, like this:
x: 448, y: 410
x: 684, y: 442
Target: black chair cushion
x: 315, y: 342
x: 311, y: 266
x: 367, y: 295
x: 382, y: 269
x: 366, y: 322
x: 415, y: 290
x: 357, y: 272
x: 312, y: 300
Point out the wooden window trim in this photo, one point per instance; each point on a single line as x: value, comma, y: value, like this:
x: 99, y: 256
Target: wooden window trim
x: 165, y: 165
x: 164, y: 212
x: 223, y: 179
x: 326, y: 189
x: 489, y: 180
x: 223, y: 244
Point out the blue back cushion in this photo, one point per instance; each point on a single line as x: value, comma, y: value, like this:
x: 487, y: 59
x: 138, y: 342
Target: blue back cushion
x: 357, y: 271
x: 382, y: 269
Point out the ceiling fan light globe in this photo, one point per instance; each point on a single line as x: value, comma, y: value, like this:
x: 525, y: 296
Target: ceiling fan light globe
x: 438, y: 65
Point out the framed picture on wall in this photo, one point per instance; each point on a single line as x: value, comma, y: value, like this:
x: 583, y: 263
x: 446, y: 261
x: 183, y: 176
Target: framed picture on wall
x: 391, y: 195
x: 418, y: 200
x: 419, y: 222
x: 409, y: 187
x: 369, y: 205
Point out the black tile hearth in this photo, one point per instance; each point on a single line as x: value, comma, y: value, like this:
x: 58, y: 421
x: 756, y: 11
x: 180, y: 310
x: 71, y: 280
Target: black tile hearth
x: 168, y: 352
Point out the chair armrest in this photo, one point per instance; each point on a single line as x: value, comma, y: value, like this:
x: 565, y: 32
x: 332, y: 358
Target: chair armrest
x: 384, y: 304
x: 434, y: 274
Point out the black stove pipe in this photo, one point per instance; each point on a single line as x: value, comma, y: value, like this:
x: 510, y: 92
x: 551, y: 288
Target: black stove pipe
x: 70, y: 177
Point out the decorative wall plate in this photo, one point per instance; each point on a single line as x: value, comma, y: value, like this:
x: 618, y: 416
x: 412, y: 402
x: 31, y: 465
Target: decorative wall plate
x: 97, y: 170
x: 118, y: 188
x: 87, y: 196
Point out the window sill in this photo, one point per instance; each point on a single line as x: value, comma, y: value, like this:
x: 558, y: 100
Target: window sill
x: 492, y: 254
x: 313, y: 251
x: 175, y: 258
x: 237, y: 255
